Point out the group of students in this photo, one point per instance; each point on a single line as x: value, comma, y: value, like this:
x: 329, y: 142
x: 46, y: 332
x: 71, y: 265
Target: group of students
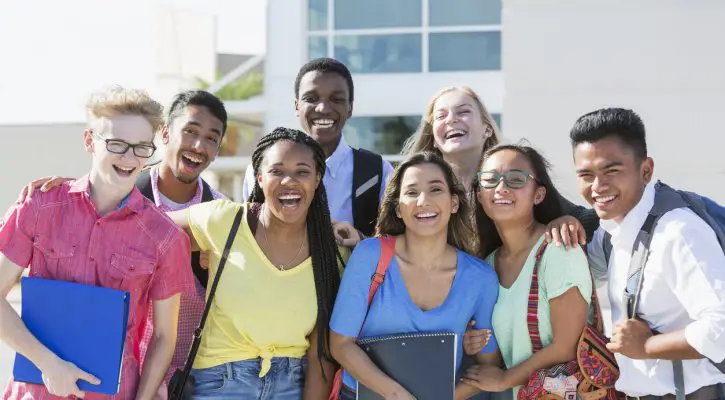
x: 473, y: 222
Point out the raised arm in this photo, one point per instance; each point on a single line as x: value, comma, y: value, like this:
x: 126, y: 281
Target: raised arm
x: 181, y: 219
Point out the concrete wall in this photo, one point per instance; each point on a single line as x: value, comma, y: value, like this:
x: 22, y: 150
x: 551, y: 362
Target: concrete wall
x: 662, y: 58
x: 29, y: 152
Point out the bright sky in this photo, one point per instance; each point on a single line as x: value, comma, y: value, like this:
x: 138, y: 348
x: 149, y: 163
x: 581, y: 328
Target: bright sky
x: 53, y: 53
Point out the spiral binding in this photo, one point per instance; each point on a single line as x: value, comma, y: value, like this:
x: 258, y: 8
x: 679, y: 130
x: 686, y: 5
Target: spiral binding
x: 406, y: 336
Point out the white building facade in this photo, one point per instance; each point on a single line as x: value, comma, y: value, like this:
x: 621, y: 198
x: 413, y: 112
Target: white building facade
x: 400, y: 53
x: 537, y: 65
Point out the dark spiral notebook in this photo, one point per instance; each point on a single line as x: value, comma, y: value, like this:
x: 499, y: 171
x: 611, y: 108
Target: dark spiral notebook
x: 423, y: 363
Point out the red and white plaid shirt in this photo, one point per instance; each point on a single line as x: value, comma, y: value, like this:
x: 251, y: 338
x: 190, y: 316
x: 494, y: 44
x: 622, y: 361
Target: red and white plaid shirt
x: 192, y: 304
x: 136, y: 248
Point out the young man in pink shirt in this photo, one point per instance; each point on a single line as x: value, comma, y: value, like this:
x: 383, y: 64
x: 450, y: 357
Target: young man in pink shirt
x: 100, y: 230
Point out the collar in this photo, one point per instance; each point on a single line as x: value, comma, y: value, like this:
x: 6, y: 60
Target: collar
x: 632, y: 222
x: 134, y: 200
x: 337, y: 157
x: 157, y: 194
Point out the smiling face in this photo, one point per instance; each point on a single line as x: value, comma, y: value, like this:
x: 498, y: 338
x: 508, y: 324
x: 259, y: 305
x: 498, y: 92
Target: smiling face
x: 500, y: 201
x: 192, y: 142
x: 425, y: 203
x: 288, y: 177
x: 118, y: 170
x: 457, y: 123
x: 323, y: 105
x: 611, y: 177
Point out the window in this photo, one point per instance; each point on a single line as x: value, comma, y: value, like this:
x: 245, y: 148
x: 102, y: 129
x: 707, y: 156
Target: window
x: 371, y: 14
x: 464, y: 12
x: 397, y: 36
x: 383, y: 135
x: 318, y: 47
x: 379, y: 53
x: 317, y: 17
x: 465, y: 51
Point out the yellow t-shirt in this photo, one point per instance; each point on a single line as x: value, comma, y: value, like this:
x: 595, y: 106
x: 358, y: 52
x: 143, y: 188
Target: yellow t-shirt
x: 258, y: 310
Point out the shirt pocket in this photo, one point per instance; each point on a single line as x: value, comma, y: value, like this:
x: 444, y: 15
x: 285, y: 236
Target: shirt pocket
x: 131, y: 274
x: 52, y: 259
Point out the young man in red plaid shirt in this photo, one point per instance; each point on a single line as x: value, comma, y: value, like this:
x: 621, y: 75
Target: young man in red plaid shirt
x: 100, y: 230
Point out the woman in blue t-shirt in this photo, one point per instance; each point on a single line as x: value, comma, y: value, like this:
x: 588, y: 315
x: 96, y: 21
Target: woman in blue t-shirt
x: 430, y: 286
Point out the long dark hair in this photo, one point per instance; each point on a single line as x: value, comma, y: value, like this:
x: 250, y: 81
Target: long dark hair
x: 459, y: 226
x: 322, y: 245
x: 548, y: 210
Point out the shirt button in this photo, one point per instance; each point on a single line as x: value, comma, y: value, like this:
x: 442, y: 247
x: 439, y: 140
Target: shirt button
x: 93, y: 259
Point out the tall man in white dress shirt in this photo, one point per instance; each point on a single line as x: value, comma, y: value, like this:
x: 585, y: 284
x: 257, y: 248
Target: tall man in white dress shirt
x: 356, y: 178
x: 680, y: 315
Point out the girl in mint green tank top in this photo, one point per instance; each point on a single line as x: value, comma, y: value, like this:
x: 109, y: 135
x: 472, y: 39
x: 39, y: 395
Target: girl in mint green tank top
x: 516, y: 199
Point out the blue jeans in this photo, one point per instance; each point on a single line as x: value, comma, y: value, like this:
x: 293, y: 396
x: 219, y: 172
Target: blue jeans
x: 240, y: 380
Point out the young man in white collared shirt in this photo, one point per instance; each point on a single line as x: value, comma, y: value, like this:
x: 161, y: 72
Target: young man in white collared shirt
x: 324, y: 95
x: 682, y: 297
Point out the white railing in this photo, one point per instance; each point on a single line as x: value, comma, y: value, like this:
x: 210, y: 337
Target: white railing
x: 236, y: 166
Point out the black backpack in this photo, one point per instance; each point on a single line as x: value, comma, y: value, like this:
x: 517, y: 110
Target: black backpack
x: 143, y: 182
x: 367, y: 179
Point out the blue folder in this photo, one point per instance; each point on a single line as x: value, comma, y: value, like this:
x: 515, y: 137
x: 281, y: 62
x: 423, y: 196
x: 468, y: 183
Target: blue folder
x: 82, y: 324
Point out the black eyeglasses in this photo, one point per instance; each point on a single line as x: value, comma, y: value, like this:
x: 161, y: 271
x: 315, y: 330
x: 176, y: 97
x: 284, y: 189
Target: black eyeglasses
x: 514, y: 179
x: 118, y: 146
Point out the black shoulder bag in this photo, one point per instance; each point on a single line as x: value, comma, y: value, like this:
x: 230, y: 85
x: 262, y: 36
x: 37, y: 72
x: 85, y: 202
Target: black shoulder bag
x: 181, y: 385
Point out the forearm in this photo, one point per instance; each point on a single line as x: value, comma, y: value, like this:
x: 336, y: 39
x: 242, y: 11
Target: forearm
x: 549, y: 356
x: 464, y: 391
x: 359, y: 365
x: 318, y: 386
x: 158, y: 358
x: 586, y: 216
x: 670, y: 346
x: 14, y: 332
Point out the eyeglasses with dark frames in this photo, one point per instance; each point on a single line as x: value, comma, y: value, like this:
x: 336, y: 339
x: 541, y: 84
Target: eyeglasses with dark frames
x: 513, y: 179
x: 118, y: 146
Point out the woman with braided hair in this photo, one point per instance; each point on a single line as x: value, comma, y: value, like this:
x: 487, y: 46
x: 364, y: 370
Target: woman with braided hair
x: 275, y: 296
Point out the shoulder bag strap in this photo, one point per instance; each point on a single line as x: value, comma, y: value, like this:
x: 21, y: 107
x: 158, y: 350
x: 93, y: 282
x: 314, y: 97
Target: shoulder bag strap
x: 532, y: 315
x: 197, y: 333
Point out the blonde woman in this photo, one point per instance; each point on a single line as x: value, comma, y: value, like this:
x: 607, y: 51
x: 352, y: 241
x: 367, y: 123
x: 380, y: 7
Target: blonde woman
x: 458, y: 125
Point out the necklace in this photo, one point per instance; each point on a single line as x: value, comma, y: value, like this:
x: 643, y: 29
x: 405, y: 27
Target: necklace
x: 281, y: 267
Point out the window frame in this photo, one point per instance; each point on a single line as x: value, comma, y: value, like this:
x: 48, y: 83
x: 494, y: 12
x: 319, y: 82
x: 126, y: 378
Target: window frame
x: 424, y: 30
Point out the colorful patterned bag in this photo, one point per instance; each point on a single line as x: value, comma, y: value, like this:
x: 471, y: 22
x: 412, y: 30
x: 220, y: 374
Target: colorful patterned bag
x: 590, y: 377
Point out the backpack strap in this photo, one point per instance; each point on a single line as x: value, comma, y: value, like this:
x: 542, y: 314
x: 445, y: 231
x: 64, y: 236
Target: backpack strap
x: 206, y: 194
x: 200, y: 273
x: 387, y: 251
x: 367, y: 180
x: 143, y: 183
x: 666, y: 200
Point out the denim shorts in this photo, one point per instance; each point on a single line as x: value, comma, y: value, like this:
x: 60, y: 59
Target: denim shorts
x: 240, y: 380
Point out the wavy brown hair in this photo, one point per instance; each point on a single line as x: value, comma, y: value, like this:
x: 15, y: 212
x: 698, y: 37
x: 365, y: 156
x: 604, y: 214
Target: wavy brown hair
x: 460, y: 230
x: 422, y: 139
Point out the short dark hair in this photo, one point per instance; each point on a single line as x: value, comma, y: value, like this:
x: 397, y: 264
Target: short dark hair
x: 548, y: 210
x: 326, y: 65
x: 198, y: 98
x: 620, y: 123
x: 460, y: 230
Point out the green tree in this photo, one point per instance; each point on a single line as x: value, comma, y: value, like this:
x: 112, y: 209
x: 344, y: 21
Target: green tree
x: 250, y: 85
